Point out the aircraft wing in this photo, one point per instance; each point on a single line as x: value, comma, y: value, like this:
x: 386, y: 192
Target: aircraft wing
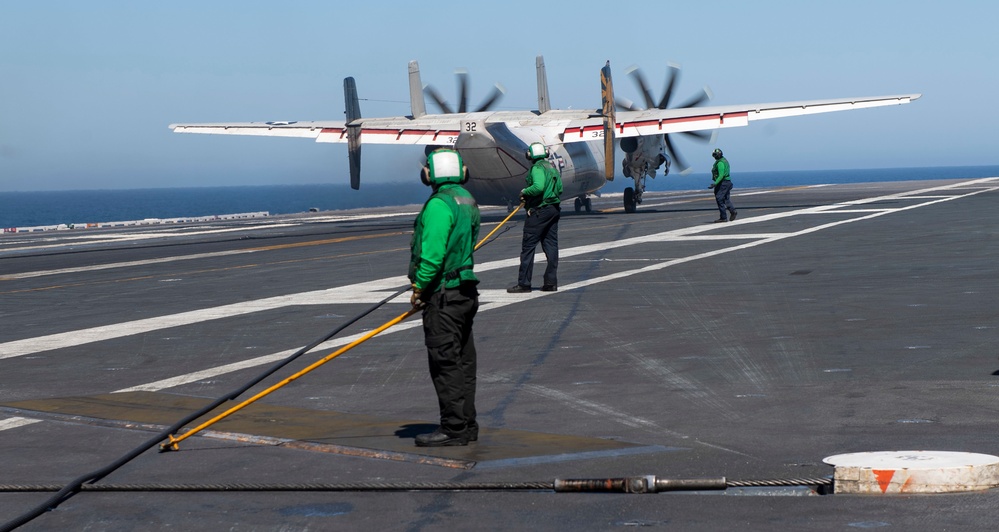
x: 660, y: 121
x: 577, y: 126
x: 428, y: 129
x: 263, y: 129
x: 376, y: 131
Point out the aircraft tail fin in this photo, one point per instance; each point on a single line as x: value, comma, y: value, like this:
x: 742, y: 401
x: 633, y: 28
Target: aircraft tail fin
x: 353, y: 111
x: 416, y: 102
x: 544, y: 104
x: 607, y: 97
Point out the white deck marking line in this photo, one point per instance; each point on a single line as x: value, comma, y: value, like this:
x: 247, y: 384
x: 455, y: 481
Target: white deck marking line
x: 688, y: 197
x: 14, y: 422
x: 259, y: 361
x: 128, y: 237
x: 852, y: 211
x: 350, y: 217
x: 363, y: 293
x: 498, y: 298
x: 42, y: 273
x: 373, y: 291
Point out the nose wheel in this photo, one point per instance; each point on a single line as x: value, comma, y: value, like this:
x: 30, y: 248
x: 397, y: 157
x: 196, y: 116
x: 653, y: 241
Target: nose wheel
x: 630, y: 200
x: 583, y: 202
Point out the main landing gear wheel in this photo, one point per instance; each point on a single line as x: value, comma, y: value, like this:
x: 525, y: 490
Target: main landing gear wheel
x: 583, y: 203
x: 629, y: 200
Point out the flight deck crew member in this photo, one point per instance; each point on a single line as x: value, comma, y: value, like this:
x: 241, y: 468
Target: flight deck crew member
x: 444, y: 286
x: 722, y: 185
x: 541, y: 199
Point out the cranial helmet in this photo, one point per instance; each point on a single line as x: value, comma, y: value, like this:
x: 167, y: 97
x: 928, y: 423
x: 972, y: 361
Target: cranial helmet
x: 444, y: 166
x: 537, y: 150
x: 717, y: 154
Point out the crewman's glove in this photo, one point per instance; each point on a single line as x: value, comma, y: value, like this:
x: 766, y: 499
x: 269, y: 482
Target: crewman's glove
x: 416, y: 299
x: 711, y: 186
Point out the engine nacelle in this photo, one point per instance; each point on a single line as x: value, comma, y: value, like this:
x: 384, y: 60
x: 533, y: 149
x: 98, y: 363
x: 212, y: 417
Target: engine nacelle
x: 643, y: 157
x: 629, y: 144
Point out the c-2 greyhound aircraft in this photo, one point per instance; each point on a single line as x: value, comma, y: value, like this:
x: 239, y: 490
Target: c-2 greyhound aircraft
x: 581, y: 142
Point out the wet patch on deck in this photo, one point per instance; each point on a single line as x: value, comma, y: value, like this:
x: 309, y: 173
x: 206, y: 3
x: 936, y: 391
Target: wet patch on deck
x: 326, y: 431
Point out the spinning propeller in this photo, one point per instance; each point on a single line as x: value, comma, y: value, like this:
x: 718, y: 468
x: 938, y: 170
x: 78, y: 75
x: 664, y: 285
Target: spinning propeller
x: 673, y: 75
x: 462, y: 75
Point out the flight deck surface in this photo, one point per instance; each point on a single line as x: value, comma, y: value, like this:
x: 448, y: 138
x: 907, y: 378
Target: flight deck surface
x: 825, y: 320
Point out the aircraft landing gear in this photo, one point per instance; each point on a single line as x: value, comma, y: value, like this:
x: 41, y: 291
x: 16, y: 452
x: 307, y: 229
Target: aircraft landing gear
x: 583, y: 202
x: 630, y: 202
x: 633, y: 196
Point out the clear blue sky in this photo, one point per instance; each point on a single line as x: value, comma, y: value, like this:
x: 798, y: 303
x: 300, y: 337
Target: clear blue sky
x: 88, y: 88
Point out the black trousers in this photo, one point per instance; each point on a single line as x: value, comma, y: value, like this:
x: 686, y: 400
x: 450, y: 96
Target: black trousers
x: 447, y: 330
x: 541, y: 225
x: 723, y: 198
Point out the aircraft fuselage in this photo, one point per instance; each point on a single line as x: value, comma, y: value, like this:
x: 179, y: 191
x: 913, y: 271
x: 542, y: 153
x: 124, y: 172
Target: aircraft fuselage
x: 495, y: 154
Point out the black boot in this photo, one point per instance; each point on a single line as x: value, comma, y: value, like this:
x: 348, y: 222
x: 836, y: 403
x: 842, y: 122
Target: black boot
x: 442, y: 438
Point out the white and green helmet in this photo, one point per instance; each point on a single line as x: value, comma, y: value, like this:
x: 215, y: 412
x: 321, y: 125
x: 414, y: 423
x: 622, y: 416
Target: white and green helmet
x: 444, y: 166
x: 537, y: 150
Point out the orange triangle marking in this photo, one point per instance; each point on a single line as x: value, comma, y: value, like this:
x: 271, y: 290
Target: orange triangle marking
x: 884, y: 477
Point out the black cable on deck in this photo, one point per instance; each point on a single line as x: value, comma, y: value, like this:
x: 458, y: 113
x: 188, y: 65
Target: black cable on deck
x: 76, y: 485
x: 608, y: 485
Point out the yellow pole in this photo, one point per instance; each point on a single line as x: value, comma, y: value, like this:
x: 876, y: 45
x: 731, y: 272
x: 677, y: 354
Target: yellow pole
x: 505, y: 220
x: 172, y: 445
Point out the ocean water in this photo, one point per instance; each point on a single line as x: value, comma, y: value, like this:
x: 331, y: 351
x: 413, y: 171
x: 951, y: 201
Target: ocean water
x: 32, y: 209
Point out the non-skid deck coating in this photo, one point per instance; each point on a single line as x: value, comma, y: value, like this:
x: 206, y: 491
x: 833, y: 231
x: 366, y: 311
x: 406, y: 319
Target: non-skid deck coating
x: 826, y: 320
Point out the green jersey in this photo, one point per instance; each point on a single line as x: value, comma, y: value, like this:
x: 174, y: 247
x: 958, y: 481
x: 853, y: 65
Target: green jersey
x: 444, y: 237
x: 544, y: 185
x: 720, y: 171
